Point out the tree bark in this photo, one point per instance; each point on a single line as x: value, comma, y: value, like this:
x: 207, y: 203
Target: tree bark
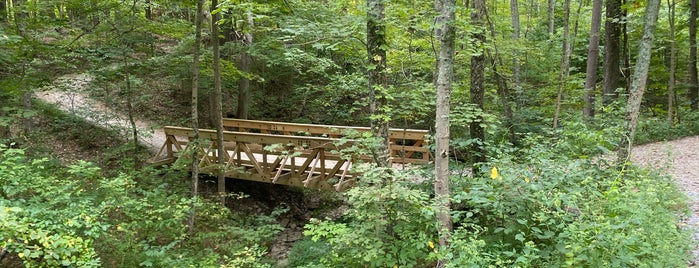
x: 195, y: 115
x: 693, y: 79
x: 217, y: 113
x: 378, y: 80
x: 552, y: 16
x: 565, y: 63
x: 243, y: 111
x: 673, y: 55
x: 612, y: 51
x: 638, y: 84
x: 446, y: 34
x: 592, y: 56
x: 476, y: 130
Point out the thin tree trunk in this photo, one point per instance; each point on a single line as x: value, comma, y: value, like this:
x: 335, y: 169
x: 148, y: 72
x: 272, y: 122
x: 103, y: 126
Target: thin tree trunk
x: 217, y: 114
x: 612, y: 51
x: 446, y: 34
x: 673, y: 55
x: 693, y: 79
x: 477, y: 91
x: 132, y: 122
x: 149, y: 10
x: 514, y: 9
x: 129, y: 109
x: 565, y: 63
x: 243, y: 111
x: 27, y: 103
x: 638, y: 84
x: 503, y: 90
x: 574, y: 36
x: 3, y: 10
x: 626, y: 53
x: 378, y: 80
x: 195, y: 115
x: 552, y: 16
x: 592, y: 56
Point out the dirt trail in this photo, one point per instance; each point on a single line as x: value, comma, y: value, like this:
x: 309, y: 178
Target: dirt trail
x: 68, y: 92
x: 681, y: 158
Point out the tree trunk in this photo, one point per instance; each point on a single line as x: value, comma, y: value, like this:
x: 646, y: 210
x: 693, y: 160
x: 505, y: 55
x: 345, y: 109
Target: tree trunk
x: 3, y: 10
x: 217, y: 113
x: 552, y: 16
x: 195, y: 115
x: 503, y: 90
x: 673, y: 55
x: 638, y: 84
x: 477, y: 91
x: 516, y: 71
x: 149, y: 10
x: 626, y: 54
x: 378, y: 80
x: 243, y: 111
x: 693, y: 80
x: 446, y: 34
x: 612, y: 51
x: 27, y: 103
x: 592, y: 55
x: 565, y: 63
x: 129, y: 109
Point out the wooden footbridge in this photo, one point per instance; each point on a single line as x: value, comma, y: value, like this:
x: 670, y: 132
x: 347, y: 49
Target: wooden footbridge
x: 303, y: 155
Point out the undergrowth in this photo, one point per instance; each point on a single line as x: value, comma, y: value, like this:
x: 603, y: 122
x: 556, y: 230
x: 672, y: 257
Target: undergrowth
x: 551, y: 205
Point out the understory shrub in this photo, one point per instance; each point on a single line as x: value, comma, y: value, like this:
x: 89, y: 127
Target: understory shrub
x: 389, y: 223
x: 659, y: 129
x: 548, y: 206
x: 568, y: 214
x: 52, y: 216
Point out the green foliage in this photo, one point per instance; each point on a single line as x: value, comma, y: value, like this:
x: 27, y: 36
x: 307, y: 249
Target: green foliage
x: 555, y: 204
x: 579, y: 140
x: 557, y: 212
x: 387, y: 224
x: 48, y: 221
x: 307, y: 253
x: 52, y: 216
x: 652, y: 129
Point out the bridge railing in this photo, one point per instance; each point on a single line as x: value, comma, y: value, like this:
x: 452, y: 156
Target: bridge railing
x: 407, y: 145
x: 311, y: 162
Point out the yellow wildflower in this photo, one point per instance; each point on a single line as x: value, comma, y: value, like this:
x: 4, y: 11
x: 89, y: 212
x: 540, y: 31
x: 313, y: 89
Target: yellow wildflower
x: 494, y: 174
x: 430, y: 244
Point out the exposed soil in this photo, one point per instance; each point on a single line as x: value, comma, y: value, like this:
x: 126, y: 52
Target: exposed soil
x: 68, y: 94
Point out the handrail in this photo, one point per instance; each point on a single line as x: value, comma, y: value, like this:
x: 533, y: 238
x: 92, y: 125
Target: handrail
x: 407, y: 145
x: 313, y: 129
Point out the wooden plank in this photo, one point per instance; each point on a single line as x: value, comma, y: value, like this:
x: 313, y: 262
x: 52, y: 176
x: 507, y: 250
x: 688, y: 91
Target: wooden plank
x: 313, y: 129
x: 256, y: 138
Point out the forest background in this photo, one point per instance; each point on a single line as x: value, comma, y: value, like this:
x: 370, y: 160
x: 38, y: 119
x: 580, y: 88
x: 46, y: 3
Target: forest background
x: 540, y: 89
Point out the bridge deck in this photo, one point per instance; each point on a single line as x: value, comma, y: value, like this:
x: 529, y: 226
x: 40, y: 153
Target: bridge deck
x: 277, y: 154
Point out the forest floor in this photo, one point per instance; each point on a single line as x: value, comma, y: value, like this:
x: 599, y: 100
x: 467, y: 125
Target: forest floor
x: 69, y: 94
x: 679, y: 157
